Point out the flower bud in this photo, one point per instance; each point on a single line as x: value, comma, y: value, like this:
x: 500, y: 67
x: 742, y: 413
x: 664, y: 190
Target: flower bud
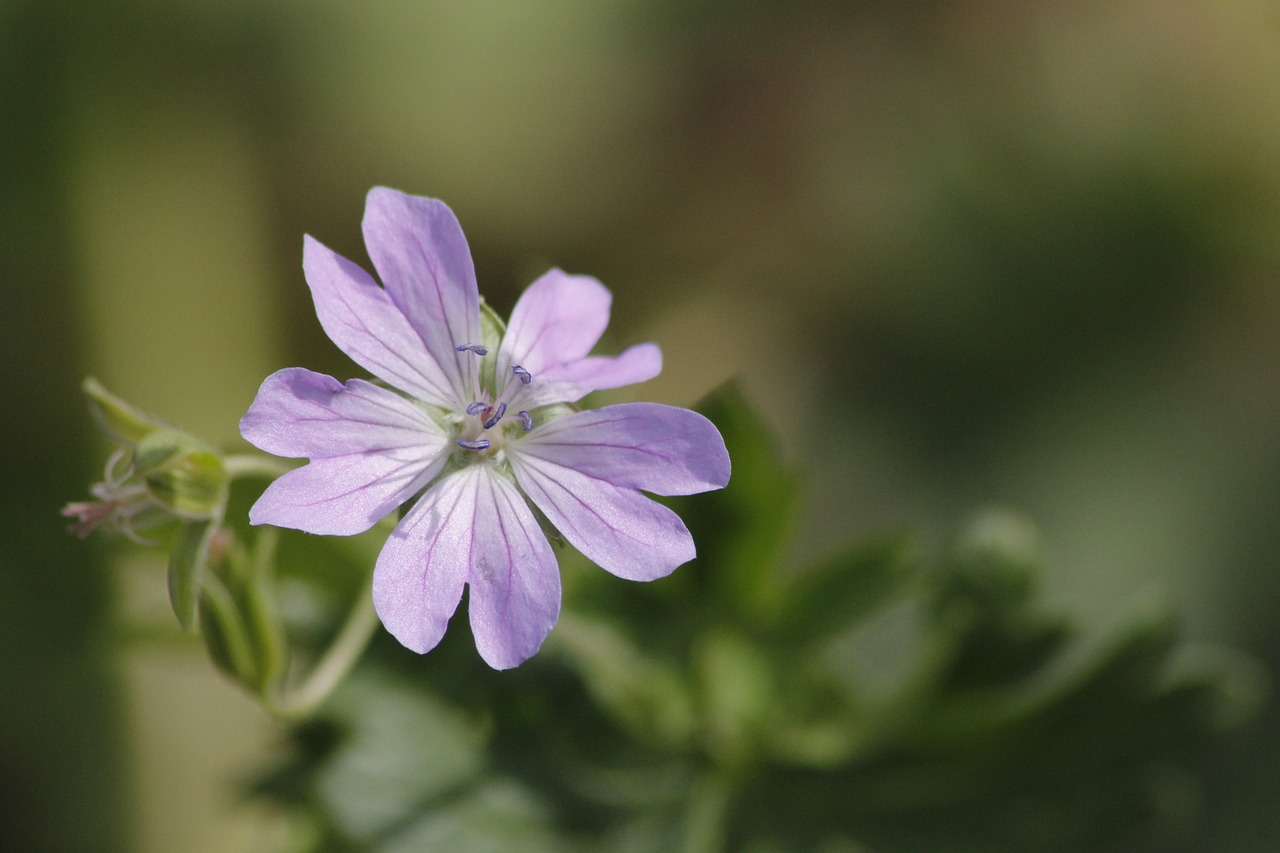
x: 156, y: 473
x: 183, y: 474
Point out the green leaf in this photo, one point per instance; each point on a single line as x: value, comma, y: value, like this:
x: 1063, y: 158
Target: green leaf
x: 741, y: 530
x: 843, y: 590
x: 737, y: 695
x: 498, y: 815
x: 401, y: 748
x: 649, y: 698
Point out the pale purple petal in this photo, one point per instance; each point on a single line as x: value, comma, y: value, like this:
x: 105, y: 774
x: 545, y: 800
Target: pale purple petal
x: 472, y: 527
x: 371, y: 450
x: 299, y: 412
x: 617, y: 528
x: 515, y: 581
x: 661, y: 449
x: 558, y: 319
x: 419, y: 576
x: 361, y: 319
x: 421, y: 255
x: 343, y: 495
x: 569, y: 383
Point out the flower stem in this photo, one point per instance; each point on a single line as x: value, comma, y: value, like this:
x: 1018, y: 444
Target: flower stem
x: 350, y: 642
x: 239, y: 465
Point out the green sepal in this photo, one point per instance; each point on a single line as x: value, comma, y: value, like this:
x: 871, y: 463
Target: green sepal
x: 121, y: 421
x: 186, y: 569
x: 182, y: 473
x: 224, y: 635
x: 492, y: 329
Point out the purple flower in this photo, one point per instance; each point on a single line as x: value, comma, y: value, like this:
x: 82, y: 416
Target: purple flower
x: 481, y: 418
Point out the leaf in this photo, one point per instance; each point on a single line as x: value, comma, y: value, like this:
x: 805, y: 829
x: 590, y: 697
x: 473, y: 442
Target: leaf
x: 649, y: 697
x: 400, y: 749
x: 742, y: 529
x: 498, y: 815
x: 843, y: 590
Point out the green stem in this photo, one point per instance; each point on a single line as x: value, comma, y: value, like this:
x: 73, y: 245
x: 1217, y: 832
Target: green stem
x: 239, y: 465
x: 262, y: 615
x: 349, y: 644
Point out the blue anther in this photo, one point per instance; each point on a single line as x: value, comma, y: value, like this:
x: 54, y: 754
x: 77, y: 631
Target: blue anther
x: 525, y: 376
x: 527, y: 418
x: 475, y: 348
x: 496, y: 416
x: 476, y: 408
x: 473, y: 443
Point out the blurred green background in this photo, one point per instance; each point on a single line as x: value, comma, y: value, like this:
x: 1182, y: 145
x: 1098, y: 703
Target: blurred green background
x: 961, y: 253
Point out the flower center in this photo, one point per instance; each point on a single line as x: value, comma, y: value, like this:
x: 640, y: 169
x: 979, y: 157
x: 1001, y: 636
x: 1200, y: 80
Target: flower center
x: 481, y: 432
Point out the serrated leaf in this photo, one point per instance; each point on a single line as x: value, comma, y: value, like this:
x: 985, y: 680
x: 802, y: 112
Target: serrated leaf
x: 843, y: 590
x: 497, y: 816
x: 401, y: 748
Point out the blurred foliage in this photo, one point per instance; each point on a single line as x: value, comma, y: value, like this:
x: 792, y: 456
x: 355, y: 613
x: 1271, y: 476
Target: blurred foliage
x: 963, y: 252
x: 879, y: 700
x: 63, y: 783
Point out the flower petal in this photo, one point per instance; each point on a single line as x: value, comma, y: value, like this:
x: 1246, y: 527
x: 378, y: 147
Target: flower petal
x: 661, y: 449
x: 569, y: 383
x: 371, y: 450
x: 421, y: 255
x: 419, y: 576
x: 472, y: 527
x: 515, y: 581
x: 361, y: 319
x: 558, y: 319
x: 617, y: 528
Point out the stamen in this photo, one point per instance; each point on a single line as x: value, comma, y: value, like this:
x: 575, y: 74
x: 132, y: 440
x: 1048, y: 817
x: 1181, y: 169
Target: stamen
x: 525, y: 376
x: 475, y: 348
x: 477, y: 407
x: 527, y: 418
x: 473, y: 443
x: 497, y: 415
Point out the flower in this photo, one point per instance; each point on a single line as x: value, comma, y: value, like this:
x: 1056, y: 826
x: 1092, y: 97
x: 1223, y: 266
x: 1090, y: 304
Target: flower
x: 123, y: 503
x: 481, y: 418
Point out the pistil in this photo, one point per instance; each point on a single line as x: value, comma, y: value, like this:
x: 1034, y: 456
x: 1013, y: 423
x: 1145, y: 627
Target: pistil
x: 490, y: 415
